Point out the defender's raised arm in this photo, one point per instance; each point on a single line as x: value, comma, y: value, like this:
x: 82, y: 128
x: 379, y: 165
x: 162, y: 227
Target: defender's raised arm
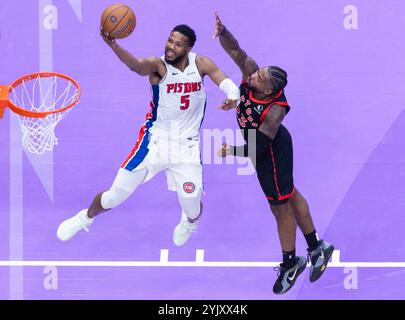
x: 245, y: 63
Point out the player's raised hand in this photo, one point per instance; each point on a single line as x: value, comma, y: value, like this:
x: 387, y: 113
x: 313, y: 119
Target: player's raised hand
x: 228, y: 104
x: 219, y: 27
x: 224, y: 151
x: 105, y: 37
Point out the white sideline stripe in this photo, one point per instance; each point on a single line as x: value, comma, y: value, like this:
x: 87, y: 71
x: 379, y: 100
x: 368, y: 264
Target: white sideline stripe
x: 226, y: 264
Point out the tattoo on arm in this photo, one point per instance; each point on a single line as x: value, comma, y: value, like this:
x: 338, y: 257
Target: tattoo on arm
x: 272, y: 121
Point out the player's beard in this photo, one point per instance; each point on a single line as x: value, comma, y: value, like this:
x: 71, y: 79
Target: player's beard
x: 176, y: 60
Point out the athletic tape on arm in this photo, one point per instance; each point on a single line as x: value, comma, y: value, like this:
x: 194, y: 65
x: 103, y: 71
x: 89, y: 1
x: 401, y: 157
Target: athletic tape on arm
x: 230, y: 88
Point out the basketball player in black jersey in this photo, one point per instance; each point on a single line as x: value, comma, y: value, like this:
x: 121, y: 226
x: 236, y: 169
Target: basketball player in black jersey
x: 260, y: 112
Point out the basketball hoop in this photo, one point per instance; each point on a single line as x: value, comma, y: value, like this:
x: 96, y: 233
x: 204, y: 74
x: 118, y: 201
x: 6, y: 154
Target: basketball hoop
x: 40, y: 100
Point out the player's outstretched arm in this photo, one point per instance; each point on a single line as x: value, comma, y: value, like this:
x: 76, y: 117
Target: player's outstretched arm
x: 245, y: 63
x: 207, y: 67
x: 142, y: 67
x: 227, y: 150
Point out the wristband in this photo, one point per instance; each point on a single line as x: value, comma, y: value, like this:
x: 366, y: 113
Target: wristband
x: 231, y: 90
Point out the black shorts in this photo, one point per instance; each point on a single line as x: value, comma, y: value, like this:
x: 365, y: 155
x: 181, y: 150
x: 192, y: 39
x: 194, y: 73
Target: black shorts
x: 275, y: 168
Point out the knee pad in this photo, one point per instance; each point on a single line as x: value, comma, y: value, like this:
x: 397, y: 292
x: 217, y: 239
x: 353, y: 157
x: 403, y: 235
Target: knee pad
x: 114, y: 197
x: 124, y: 185
x: 191, y: 206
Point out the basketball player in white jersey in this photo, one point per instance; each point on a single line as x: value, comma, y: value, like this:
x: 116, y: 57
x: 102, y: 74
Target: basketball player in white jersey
x: 169, y: 139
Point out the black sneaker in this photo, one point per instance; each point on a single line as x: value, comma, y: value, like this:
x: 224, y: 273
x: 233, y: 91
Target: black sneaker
x: 319, y: 259
x: 286, y: 277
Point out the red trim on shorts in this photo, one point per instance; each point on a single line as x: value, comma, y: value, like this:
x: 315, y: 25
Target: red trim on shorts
x: 279, y: 196
x: 283, y: 197
x: 287, y: 195
x: 275, y: 172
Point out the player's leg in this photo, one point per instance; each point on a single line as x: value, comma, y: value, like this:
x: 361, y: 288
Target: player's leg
x: 191, y: 206
x: 286, y: 227
x: 292, y: 265
x: 189, y: 195
x: 302, y: 214
x: 186, y: 179
x: 304, y: 219
x: 123, y: 186
x: 139, y: 166
x: 319, y: 251
x: 190, y: 215
x: 274, y: 171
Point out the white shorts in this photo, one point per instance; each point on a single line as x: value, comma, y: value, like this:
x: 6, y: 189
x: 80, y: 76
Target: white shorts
x: 180, y: 159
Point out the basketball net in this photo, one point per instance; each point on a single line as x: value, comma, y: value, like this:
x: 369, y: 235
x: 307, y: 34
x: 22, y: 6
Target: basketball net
x: 43, y: 101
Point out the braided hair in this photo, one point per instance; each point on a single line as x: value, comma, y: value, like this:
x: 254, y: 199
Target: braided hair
x: 278, y: 78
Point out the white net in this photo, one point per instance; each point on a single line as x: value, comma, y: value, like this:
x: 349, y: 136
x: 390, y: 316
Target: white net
x: 43, y: 94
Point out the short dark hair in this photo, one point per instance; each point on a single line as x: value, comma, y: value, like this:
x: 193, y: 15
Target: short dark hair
x: 278, y: 77
x: 187, y: 31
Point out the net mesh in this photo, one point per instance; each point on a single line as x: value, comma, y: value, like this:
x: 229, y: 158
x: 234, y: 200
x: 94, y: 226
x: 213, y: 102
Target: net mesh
x: 43, y: 94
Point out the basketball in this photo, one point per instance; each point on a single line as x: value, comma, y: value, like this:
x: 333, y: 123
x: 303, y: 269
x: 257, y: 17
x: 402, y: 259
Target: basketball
x: 118, y: 21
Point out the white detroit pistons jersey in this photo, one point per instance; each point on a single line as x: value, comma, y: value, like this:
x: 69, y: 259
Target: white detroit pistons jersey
x: 179, y: 101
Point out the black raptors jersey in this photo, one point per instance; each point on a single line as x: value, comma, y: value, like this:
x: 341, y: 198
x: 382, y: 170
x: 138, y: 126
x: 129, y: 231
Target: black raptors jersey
x: 273, y: 158
x: 251, y: 111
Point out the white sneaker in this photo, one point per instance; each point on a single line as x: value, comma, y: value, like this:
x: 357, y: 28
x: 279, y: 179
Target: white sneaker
x: 183, y: 230
x: 68, y: 228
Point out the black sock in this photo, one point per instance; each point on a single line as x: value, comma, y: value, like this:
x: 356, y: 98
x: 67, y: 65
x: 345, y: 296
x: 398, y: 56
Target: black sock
x: 289, y: 259
x: 312, y: 240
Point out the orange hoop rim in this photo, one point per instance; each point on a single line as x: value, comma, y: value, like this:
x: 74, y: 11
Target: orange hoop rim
x: 40, y: 114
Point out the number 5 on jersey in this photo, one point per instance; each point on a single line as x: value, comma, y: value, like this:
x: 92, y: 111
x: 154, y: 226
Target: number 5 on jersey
x: 185, y: 102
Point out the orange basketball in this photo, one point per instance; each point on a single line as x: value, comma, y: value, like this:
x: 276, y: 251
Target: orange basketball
x: 118, y: 21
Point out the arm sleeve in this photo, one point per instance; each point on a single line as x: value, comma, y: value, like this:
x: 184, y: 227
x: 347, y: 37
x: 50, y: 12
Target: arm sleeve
x: 240, y: 151
x: 263, y: 143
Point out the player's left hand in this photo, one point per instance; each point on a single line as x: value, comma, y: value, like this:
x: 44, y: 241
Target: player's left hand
x: 228, y: 104
x: 106, y: 37
x: 219, y: 27
x: 225, y: 150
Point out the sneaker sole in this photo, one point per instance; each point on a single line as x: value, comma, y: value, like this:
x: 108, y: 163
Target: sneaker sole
x: 300, y: 270
x: 325, y: 264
